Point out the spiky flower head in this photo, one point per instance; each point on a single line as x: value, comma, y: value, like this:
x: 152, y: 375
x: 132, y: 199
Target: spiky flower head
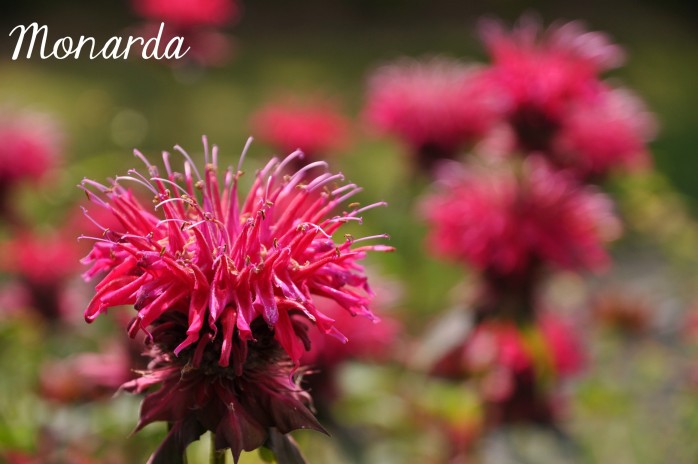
x: 224, y: 285
x: 219, y: 258
x: 605, y: 133
x: 31, y: 146
x: 563, y: 46
x: 506, y: 218
x: 434, y: 106
x: 540, y: 72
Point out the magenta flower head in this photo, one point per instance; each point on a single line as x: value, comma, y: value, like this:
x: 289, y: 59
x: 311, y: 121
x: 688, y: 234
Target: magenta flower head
x: 605, y: 133
x: 315, y: 127
x: 224, y: 286
x: 517, y: 370
x: 435, y: 107
x: 42, y: 265
x: 540, y: 72
x: 188, y: 13
x: 507, y: 218
x: 31, y: 148
x: 199, y: 22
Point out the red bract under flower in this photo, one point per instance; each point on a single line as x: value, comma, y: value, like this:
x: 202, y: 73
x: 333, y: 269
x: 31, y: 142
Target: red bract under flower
x: 541, y: 72
x: 506, y: 218
x: 189, y: 13
x: 224, y: 261
x: 243, y: 409
x: 435, y: 107
x: 603, y: 133
x: 316, y: 128
x: 30, y: 148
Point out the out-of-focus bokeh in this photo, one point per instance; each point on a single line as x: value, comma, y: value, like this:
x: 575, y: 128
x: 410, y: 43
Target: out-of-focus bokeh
x: 635, y: 401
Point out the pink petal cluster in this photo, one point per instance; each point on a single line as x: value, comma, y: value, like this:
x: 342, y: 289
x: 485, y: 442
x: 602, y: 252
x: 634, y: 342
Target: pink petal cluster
x: 508, y: 217
x: 556, y: 102
x: 220, y: 258
x: 41, y: 258
x: 316, y: 127
x: 31, y: 147
x: 542, y: 70
x: 199, y: 22
x: 436, y: 106
x: 224, y: 287
x: 607, y: 132
x: 542, y: 90
x: 520, y: 369
x: 516, y: 367
x: 42, y: 265
x: 189, y: 13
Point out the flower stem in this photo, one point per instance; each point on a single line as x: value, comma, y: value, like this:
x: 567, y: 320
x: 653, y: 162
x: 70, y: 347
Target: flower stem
x: 185, y: 460
x: 217, y: 457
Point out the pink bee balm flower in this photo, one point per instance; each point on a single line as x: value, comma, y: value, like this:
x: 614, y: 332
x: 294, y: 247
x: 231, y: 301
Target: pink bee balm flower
x: 222, y: 285
x: 516, y: 366
x: 507, y: 218
x: 189, y: 13
x: 30, y: 149
x: 197, y: 21
x: 607, y: 132
x: 541, y: 72
x: 436, y: 107
x: 523, y: 366
x: 223, y: 259
x: 31, y: 146
x: 29, y: 256
x: 42, y: 272
x: 316, y: 128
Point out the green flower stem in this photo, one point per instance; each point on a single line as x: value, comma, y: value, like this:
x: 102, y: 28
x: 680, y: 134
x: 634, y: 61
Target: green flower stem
x: 217, y: 457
